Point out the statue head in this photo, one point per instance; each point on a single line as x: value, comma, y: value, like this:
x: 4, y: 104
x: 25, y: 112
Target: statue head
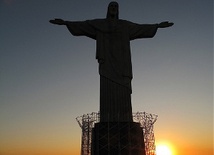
x: 113, y: 10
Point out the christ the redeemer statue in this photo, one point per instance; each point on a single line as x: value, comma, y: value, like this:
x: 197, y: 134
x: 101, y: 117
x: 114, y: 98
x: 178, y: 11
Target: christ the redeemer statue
x: 113, y: 37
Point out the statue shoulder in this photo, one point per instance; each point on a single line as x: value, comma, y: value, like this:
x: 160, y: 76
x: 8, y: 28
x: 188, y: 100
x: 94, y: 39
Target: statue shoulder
x: 99, y: 24
x: 125, y: 22
x: 96, y: 21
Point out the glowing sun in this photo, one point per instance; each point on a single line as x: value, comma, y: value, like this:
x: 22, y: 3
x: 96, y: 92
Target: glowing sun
x: 163, y: 150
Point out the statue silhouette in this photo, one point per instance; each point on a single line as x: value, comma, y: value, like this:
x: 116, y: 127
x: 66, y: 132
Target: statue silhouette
x: 113, y: 36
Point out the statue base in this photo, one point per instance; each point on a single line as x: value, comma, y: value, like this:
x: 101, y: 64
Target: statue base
x: 117, y: 138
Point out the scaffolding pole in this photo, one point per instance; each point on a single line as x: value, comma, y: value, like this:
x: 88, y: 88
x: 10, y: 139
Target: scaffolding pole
x: 146, y: 120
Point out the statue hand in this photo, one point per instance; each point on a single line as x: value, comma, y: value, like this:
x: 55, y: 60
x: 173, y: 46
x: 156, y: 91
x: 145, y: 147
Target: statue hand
x: 165, y: 24
x: 57, y: 21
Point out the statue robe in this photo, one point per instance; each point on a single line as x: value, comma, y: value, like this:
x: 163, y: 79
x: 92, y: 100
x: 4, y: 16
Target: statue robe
x: 114, y: 58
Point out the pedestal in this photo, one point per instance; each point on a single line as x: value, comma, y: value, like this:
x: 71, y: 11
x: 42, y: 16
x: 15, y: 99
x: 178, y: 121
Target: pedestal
x: 117, y: 138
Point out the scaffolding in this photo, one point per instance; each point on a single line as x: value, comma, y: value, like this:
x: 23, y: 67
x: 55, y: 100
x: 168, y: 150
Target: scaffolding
x: 146, y: 120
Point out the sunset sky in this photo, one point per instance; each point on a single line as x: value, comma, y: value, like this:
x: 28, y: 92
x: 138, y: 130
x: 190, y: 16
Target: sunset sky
x: 49, y: 77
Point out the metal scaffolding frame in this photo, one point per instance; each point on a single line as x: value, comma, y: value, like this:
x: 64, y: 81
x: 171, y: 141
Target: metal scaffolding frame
x: 146, y: 120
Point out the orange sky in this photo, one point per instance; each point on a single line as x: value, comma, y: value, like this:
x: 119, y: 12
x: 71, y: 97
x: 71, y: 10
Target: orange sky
x: 177, y: 150
x: 69, y: 145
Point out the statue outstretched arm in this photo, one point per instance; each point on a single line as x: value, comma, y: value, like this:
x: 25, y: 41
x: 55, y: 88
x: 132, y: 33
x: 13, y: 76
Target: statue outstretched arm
x: 165, y: 24
x: 58, y: 21
x: 77, y: 28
